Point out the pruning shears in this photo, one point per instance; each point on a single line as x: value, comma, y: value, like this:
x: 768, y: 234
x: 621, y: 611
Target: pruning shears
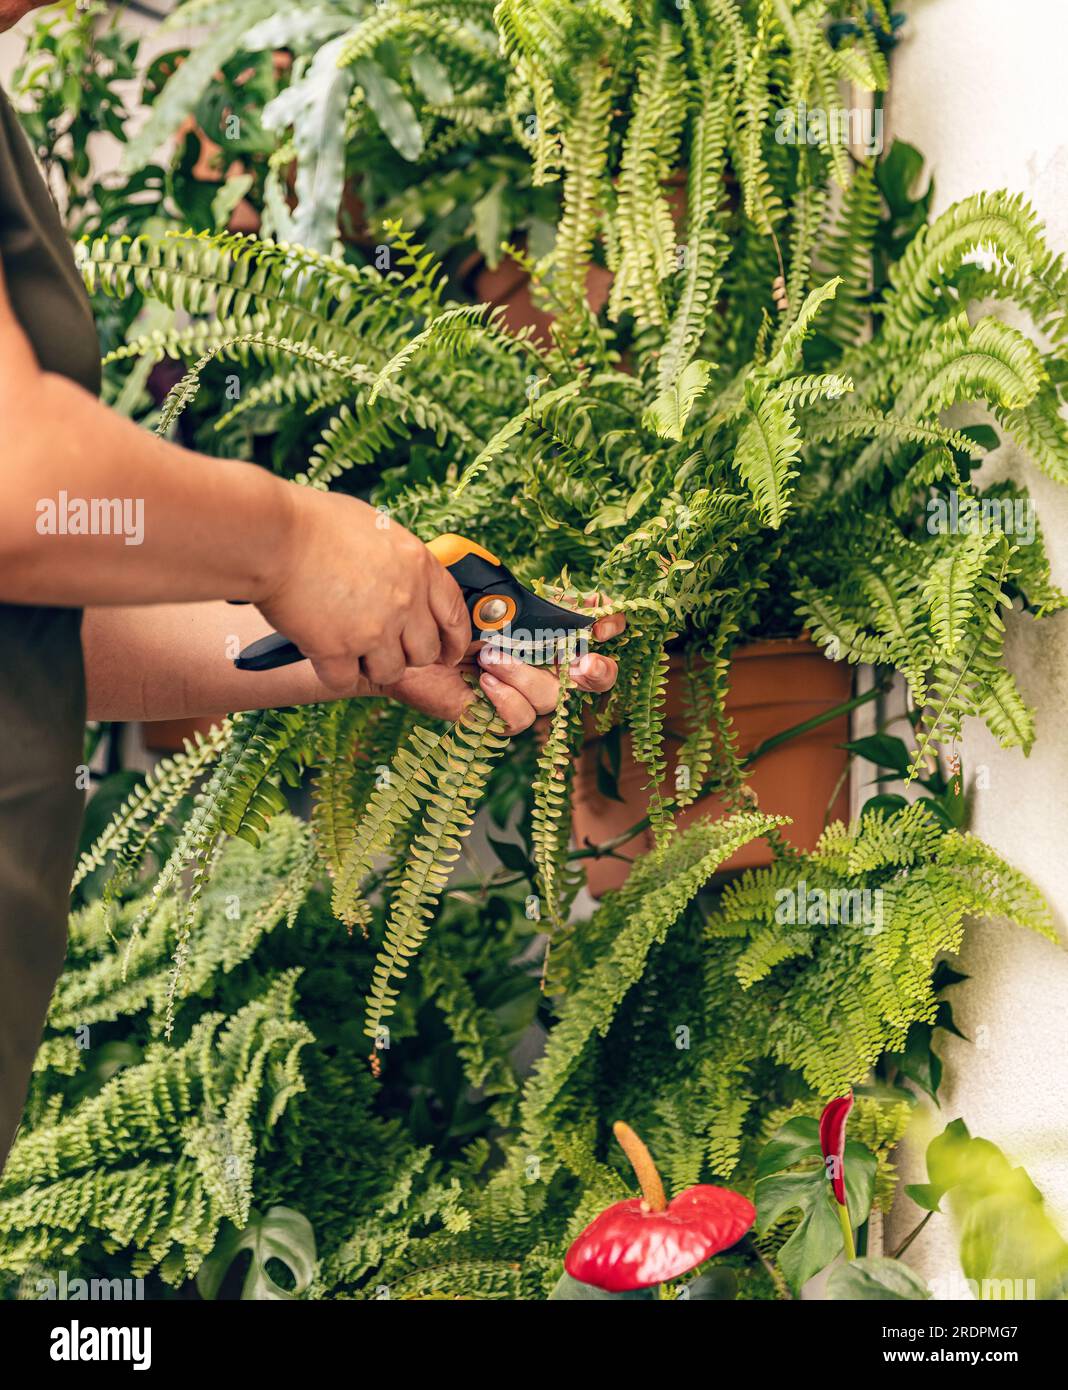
x: 501, y: 608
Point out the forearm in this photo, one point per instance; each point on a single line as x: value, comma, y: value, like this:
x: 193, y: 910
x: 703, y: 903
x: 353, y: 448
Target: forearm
x: 175, y: 661
x: 98, y: 511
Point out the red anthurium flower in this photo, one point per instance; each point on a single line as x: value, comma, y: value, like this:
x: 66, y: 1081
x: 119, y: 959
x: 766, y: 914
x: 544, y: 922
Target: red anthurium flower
x: 649, y: 1240
x: 832, y: 1142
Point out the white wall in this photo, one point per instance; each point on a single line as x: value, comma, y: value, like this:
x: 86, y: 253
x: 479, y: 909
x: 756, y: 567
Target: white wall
x: 979, y: 87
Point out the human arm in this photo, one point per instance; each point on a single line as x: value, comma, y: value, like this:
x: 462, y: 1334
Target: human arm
x: 361, y: 595
x: 173, y: 661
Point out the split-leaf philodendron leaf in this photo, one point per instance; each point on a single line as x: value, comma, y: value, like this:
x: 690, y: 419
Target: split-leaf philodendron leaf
x: 277, y: 1234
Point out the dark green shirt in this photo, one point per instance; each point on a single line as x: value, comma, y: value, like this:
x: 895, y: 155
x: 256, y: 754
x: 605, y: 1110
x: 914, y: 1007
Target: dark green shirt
x: 42, y: 689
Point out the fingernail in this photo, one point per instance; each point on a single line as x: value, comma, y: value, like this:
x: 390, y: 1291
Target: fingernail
x: 490, y: 656
x: 590, y: 666
x: 489, y: 682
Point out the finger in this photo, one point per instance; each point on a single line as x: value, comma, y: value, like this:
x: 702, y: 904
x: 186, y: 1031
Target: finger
x: 386, y: 664
x: 539, y: 686
x: 611, y: 625
x: 515, y: 709
x: 340, y: 673
x: 421, y: 640
x: 439, y: 691
x: 594, y: 672
x: 449, y: 611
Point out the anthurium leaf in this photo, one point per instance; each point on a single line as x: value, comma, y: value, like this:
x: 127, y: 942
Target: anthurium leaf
x: 882, y: 749
x: 799, y: 1138
x: 944, y: 976
x: 715, y: 1285
x: 984, y: 435
x: 278, y: 1234
x: 873, y: 1279
x: 668, y: 414
x: 925, y: 1195
x: 511, y: 855
x: 569, y: 1290
x: 818, y: 1237
x: 1008, y: 1244
x: 944, y: 1019
x: 897, y: 174
x: 919, y: 1062
x: 887, y: 804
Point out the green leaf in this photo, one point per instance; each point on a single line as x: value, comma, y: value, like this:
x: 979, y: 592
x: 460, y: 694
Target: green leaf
x: 798, y: 1139
x: 919, y: 1062
x: 715, y: 1285
x: 488, y: 214
x: 511, y: 855
x: 315, y: 107
x: 871, y: 1279
x: 888, y: 804
x: 768, y: 447
x: 392, y: 109
x: 279, y: 1234
x: 817, y: 1239
x: 1006, y: 1235
x: 570, y: 1290
x: 190, y: 80
x: 432, y: 78
x: 788, y: 356
x: 229, y: 195
x: 668, y: 414
x: 882, y: 749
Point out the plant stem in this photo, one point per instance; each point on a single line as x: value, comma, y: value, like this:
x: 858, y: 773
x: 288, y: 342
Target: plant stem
x: 911, y: 1237
x: 847, y: 1231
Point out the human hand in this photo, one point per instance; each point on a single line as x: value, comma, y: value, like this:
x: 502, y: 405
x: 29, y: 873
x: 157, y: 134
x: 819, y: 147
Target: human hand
x: 363, y: 598
x: 518, y: 692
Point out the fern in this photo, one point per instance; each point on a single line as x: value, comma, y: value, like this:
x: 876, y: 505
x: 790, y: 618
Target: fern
x: 457, y: 769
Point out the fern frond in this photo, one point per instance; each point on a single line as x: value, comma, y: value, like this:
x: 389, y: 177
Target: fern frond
x: 459, y: 765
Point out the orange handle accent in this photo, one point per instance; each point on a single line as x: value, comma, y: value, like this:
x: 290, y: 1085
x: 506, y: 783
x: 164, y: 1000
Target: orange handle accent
x: 450, y: 547
x: 509, y: 613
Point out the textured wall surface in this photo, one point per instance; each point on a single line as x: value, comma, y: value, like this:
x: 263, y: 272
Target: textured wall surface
x: 979, y: 87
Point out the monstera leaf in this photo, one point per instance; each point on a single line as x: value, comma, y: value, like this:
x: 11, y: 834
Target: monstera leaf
x: 279, y: 1234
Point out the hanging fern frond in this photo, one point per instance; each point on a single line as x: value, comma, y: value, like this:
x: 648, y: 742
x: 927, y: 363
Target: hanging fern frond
x: 457, y: 767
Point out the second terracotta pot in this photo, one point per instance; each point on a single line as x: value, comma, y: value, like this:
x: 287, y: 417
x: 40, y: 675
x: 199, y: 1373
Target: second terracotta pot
x: 774, y: 686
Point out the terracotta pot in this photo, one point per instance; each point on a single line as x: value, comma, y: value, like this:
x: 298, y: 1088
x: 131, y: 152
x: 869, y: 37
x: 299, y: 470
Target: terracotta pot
x: 169, y: 735
x: 508, y: 285
x: 773, y: 686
